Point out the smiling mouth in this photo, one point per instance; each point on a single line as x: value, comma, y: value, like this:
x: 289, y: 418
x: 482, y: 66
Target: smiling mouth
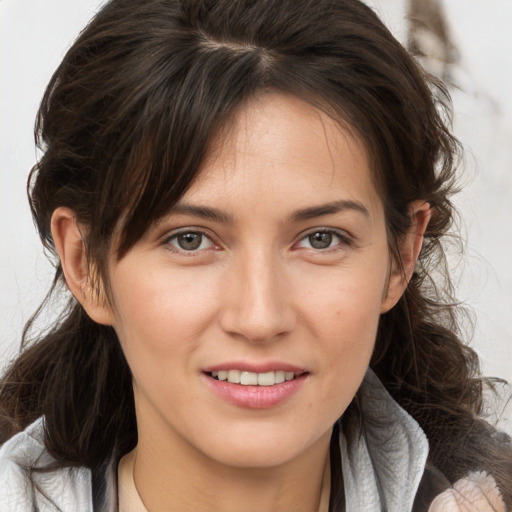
x: 254, y: 379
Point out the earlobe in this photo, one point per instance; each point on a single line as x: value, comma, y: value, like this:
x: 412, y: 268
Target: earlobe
x: 72, y: 253
x: 409, y: 247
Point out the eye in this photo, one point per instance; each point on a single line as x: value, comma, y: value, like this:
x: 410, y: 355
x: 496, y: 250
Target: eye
x: 322, y: 239
x: 190, y: 241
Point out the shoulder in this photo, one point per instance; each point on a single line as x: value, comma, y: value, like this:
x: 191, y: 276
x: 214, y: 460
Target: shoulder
x: 475, y: 493
x: 18, y: 456
x: 26, y: 483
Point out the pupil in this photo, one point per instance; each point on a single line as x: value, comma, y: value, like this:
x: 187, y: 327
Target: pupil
x: 320, y: 240
x: 189, y: 241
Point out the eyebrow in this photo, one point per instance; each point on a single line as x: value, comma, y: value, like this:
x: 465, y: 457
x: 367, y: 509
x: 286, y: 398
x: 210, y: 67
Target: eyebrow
x: 215, y: 214
x: 203, y: 212
x: 329, y: 209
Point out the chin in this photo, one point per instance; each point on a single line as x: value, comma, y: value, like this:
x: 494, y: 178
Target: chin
x: 261, y: 457
x: 263, y: 448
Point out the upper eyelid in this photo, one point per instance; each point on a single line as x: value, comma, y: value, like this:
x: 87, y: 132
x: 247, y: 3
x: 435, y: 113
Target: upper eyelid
x: 342, y: 233
x: 171, y: 233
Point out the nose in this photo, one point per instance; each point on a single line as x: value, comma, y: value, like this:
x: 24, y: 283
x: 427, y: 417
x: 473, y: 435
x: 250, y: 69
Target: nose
x: 256, y: 303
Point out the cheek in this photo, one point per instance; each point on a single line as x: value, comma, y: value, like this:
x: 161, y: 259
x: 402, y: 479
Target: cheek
x: 348, y: 348
x: 343, y: 319
x: 161, y: 313
x: 344, y: 302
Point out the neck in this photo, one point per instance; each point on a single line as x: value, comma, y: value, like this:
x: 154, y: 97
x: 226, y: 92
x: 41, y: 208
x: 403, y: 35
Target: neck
x: 177, y: 477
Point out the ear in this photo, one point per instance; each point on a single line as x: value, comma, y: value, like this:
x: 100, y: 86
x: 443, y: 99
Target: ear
x: 409, y: 246
x: 72, y: 253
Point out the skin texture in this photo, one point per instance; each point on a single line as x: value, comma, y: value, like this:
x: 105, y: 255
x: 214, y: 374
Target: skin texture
x: 256, y: 292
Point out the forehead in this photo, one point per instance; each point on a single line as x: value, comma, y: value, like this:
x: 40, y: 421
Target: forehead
x: 279, y: 146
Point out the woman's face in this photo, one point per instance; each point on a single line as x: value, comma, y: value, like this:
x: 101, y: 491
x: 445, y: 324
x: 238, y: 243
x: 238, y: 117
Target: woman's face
x: 272, y: 269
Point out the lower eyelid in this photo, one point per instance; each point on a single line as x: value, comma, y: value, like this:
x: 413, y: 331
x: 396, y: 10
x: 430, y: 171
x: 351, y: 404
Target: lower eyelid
x: 343, y: 239
x: 174, y: 236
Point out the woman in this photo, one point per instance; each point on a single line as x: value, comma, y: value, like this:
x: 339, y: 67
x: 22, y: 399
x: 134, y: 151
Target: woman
x: 246, y: 199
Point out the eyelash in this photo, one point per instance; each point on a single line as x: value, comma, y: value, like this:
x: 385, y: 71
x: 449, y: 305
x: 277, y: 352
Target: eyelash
x: 342, y: 237
x: 342, y: 240
x: 180, y: 250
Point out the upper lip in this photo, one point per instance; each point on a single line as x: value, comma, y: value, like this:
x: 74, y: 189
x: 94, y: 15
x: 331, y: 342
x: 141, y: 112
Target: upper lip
x: 263, y: 367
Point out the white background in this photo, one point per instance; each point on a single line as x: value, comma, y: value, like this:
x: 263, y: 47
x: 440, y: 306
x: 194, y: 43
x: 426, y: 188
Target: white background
x: 35, y: 34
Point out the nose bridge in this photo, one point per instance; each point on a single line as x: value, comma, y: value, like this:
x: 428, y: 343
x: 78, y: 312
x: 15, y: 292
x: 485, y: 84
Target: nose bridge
x: 256, y: 306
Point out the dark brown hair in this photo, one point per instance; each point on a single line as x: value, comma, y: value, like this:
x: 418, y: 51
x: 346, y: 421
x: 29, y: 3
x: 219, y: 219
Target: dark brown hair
x: 126, y: 122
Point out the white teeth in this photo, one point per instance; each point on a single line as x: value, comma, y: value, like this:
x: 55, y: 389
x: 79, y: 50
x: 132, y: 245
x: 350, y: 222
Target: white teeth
x: 249, y: 379
x: 280, y: 377
x: 234, y: 376
x: 267, y: 379
x: 252, y: 378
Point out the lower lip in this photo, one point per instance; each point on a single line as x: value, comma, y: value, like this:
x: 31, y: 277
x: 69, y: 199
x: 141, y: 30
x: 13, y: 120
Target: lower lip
x: 256, y: 397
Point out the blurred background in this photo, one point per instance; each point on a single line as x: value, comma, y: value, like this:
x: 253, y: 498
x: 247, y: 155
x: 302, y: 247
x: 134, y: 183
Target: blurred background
x: 467, y: 43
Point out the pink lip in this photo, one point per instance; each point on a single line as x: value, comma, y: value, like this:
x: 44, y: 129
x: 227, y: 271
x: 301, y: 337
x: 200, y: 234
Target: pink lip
x: 244, y: 366
x: 255, y: 397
